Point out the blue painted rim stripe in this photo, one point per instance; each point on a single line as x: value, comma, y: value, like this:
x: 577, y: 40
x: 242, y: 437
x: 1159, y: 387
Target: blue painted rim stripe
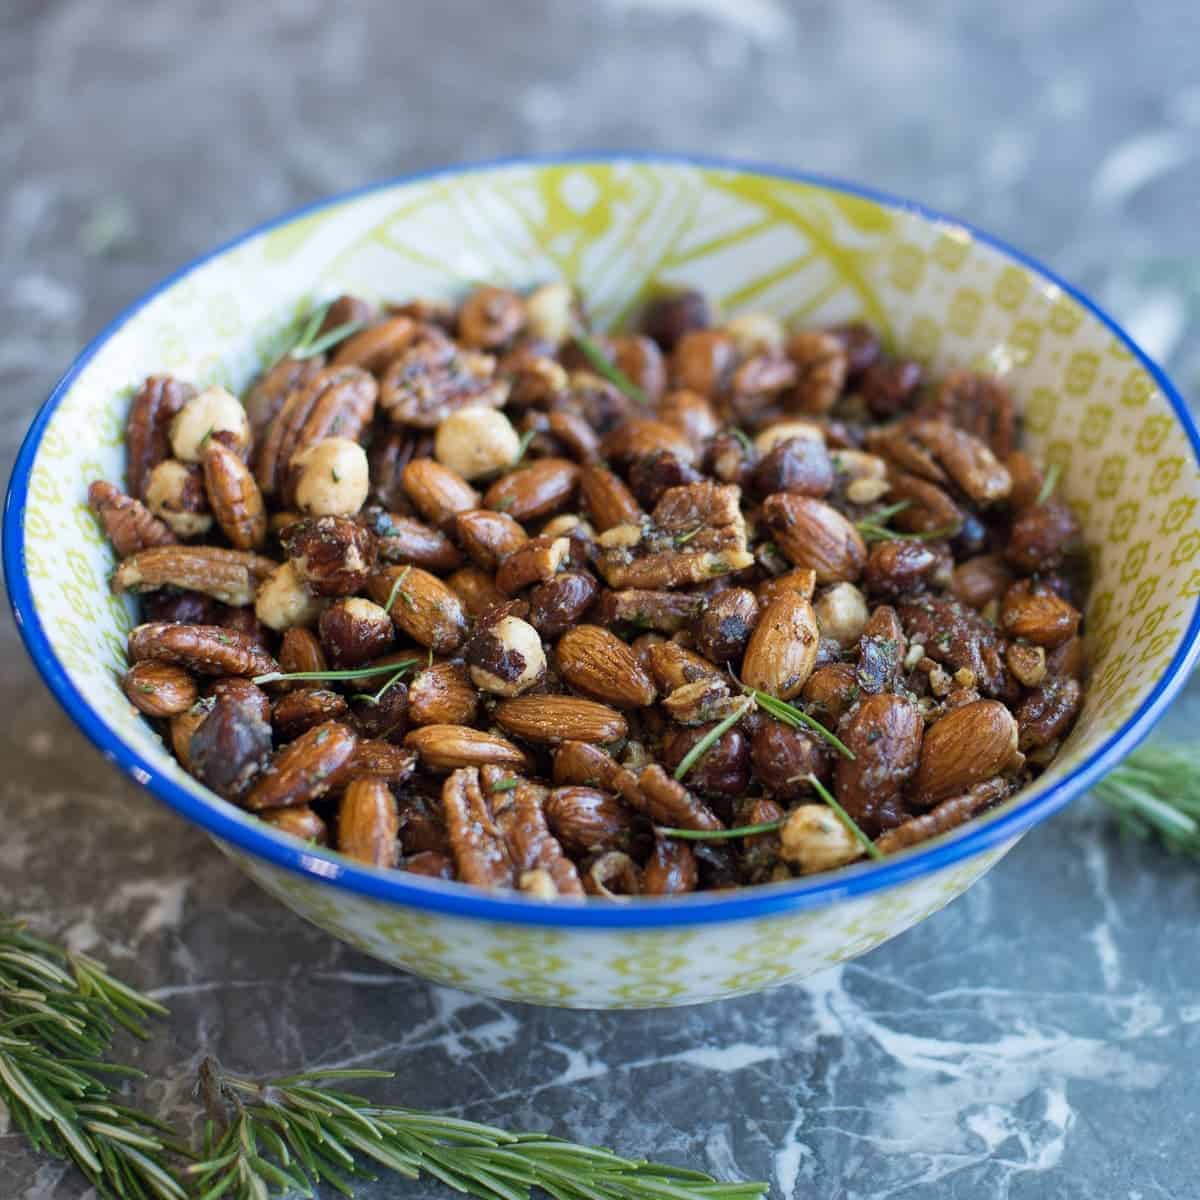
x: 458, y: 900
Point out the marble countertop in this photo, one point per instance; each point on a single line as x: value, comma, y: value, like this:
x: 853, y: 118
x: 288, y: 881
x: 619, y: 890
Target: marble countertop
x: 1036, y: 1040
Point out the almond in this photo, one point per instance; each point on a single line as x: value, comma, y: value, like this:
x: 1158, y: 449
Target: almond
x: 476, y: 588
x: 589, y: 821
x: 552, y: 719
x: 600, y: 665
x: 373, y: 759
x: 606, y: 498
x: 1038, y: 615
x: 967, y: 746
x: 442, y: 694
x: 449, y: 747
x: 437, y: 492
x: 782, y: 651
x: 301, y: 822
x: 538, y: 490
x: 304, y: 769
x: 423, y: 607
x: 368, y: 823
x: 802, y: 580
x: 489, y: 537
x: 814, y: 534
x: 159, y: 689
x: 537, y: 561
x: 641, y: 438
x: 884, y: 735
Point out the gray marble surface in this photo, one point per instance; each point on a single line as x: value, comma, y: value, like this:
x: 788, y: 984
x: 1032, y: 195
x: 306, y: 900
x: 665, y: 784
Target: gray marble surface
x: 1039, y: 1039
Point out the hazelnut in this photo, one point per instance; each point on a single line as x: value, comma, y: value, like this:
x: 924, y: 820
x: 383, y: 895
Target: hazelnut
x: 475, y: 442
x: 785, y: 431
x: 669, y: 317
x: 210, y: 412
x: 333, y: 480
x: 175, y: 494
x: 549, y: 312
x: 841, y: 613
x: 283, y: 601
x: 754, y: 332
x: 354, y: 630
x: 506, y: 658
x: 814, y: 839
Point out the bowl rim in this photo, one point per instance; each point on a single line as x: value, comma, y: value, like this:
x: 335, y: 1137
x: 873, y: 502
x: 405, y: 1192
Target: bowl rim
x: 459, y: 900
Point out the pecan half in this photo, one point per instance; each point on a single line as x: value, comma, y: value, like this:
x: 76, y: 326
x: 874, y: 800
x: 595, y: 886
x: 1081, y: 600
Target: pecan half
x: 979, y: 404
x: 231, y: 576
x: 129, y: 524
x: 480, y: 852
x: 207, y: 649
x: 434, y: 378
x: 532, y: 848
x: 949, y: 814
x: 270, y: 392
x: 234, y: 497
x: 148, y: 427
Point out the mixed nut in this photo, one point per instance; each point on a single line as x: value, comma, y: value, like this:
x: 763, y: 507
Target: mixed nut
x: 477, y: 594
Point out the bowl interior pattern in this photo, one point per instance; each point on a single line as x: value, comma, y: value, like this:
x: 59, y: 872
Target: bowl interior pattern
x: 806, y: 251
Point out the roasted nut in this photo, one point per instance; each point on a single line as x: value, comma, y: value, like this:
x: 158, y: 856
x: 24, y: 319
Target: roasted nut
x: 432, y: 864
x: 937, y: 451
x: 606, y: 499
x: 297, y: 712
x: 899, y: 568
x: 422, y: 606
x: 345, y: 310
x: 601, y: 666
x: 506, y: 658
x: 1037, y: 614
x: 332, y: 556
x: 640, y: 360
x: 799, y: 465
x: 437, y: 492
x: 147, y: 430
x: 841, y: 612
x: 821, y: 366
x: 963, y: 748
x: 332, y: 478
x: 368, y: 824
x: 434, y: 377
x: 702, y: 361
x: 354, y: 631
x: 234, y: 497
x: 639, y: 438
x: 980, y: 580
x: 538, y: 860
x: 958, y: 637
x: 669, y: 804
x: 814, y: 839
x: 489, y: 537
x: 1048, y: 712
x: 180, y: 608
x: 480, y: 852
x: 548, y: 719
x: 653, y: 475
x: 159, y: 689
x: 884, y: 735
x: 183, y: 726
x: 813, y: 534
x: 373, y: 348
x: 1027, y: 663
x: 304, y: 770
x: 722, y: 630
x: 642, y: 608
x: 929, y: 509
x: 476, y: 442
x: 783, y: 647
x: 979, y: 404
x: 1040, y: 536
x: 299, y: 651
x: 671, y: 316
x: 213, y: 413
x: 283, y: 601
x: 792, y: 429
x: 801, y: 580
x: 207, y: 649
x: 390, y: 452
x: 754, y: 332
x: 589, y: 821
x: 406, y: 540
x: 560, y: 603
x: 384, y: 716
x: 538, y: 490
x: 449, y: 747
x: 724, y: 768
x: 783, y: 758
x: 231, y: 747
x: 378, y: 760
x: 1068, y: 659
x: 490, y: 318
x: 891, y: 386
x: 175, y: 494
x: 337, y: 402
x: 538, y: 560
x: 130, y: 526
x: 300, y: 822
x: 550, y: 312
x: 441, y: 694
x: 671, y: 869
x: 946, y: 816
x: 477, y: 590
x: 271, y: 391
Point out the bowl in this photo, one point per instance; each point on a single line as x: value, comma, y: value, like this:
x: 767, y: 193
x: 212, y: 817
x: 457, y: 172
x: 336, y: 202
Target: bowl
x: 807, y: 249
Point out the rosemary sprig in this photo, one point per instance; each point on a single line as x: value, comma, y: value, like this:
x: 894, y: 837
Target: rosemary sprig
x: 523, y: 445
x: 789, y: 714
x: 1156, y: 790
x: 603, y: 365
x: 874, y: 526
x: 717, y: 835
x: 706, y: 743
x: 743, y: 438
x: 398, y: 590
x: 873, y: 851
x: 349, y: 673
x: 308, y: 345
x: 291, y: 1133
x: 375, y: 697
x: 1053, y: 471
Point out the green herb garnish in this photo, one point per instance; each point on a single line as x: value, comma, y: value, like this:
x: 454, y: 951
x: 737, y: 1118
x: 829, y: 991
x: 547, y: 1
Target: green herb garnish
x: 307, y: 347
x: 350, y: 673
x: 1156, y: 791
x: 603, y: 365
x: 716, y: 835
x: 523, y: 445
x: 742, y: 437
x: 397, y: 590
x: 374, y: 698
x: 682, y: 539
x: 506, y: 785
x: 1053, y: 471
x: 846, y: 819
x: 789, y: 714
x: 702, y: 747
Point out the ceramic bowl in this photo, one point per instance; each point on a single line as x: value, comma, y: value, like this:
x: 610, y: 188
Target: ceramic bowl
x: 810, y: 251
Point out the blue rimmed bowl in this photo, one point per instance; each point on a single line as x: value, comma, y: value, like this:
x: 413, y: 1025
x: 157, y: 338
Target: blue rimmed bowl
x: 809, y: 250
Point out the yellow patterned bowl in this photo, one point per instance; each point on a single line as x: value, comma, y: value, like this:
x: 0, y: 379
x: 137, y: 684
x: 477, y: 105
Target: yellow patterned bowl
x: 805, y: 249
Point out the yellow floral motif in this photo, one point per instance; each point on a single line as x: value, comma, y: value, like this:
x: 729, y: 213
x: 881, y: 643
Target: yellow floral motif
x: 527, y: 958
x: 1065, y: 316
x: 1191, y: 586
x: 965, y: 311
x: 1110, y: 476
x: 951, y: 249
x: 1186, y: 548
x: 1040, y: 410
x: 1153, y: 433
x: 759, y: 976
x: 1166, y: 473
x: 1143, y: 593
x: 1023, y: 342
x: 649, y: 963
x: 1096, y: 420
x: 524, y: 987
x: 924, y: 337
x: 649, y: 989
x: 1155, y: 645
x: 1081, y: 372
x: 1135, y: 560
x: 1151, y: 621
x: 1011, y: 287
x: 1123, y: 520
x: 1137, y: 388
x: 907, y: 267
x: 1179, y: 513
